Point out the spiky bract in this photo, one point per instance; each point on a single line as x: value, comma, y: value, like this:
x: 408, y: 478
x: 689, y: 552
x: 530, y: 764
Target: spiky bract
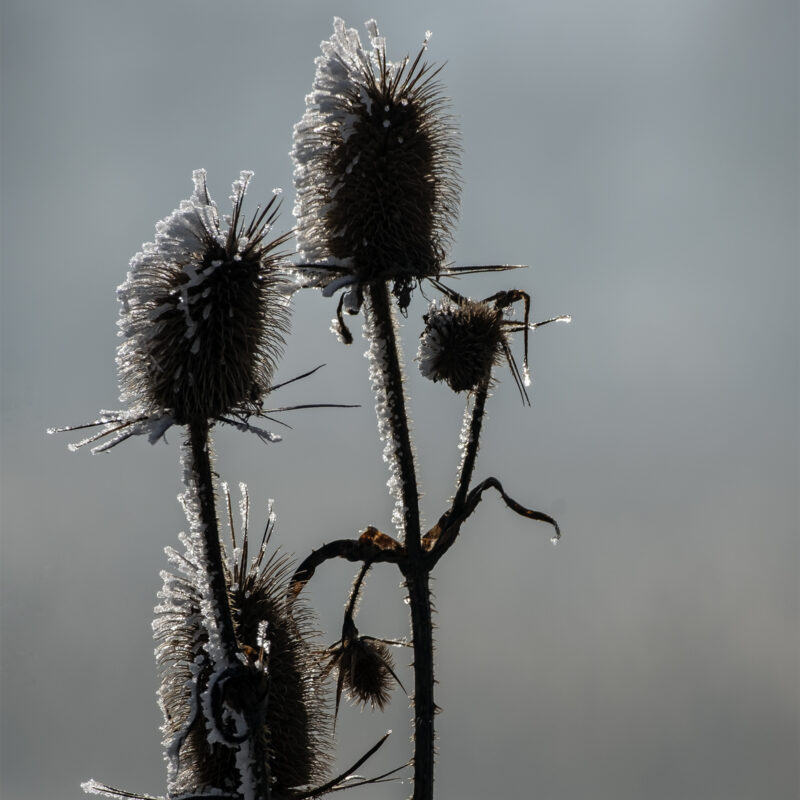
x: 462, y: 341
x: 204, y: 311
x: 376, y: 164
x: 280, y: 691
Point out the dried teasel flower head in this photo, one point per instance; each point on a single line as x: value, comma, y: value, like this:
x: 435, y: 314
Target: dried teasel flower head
x: 280, y: 693
x: 465, y: 339
x: 365, y: 667
x: 204, y: 311
x: 376, y: 166
x: 462, y: 341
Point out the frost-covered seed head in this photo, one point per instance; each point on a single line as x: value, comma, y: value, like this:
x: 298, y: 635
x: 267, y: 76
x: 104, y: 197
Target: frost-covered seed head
x: 297, y: 718
x: 376, y: 164
x: 461, y: 342
x: 204, y: 311
x: 281, y: 686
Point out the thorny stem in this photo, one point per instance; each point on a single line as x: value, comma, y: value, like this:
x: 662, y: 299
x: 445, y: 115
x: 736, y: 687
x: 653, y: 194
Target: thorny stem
x: 356, y: 590
x: 416, y: 567
x: 382, y: 327
x: 471, y: 433
x: 470, y: 445
x: 204, y: 487
x: 417, y: 582
x: 254, y: 771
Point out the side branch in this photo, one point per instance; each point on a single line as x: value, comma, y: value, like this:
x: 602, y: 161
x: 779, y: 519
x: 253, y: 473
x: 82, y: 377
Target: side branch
x: 471, y: 434
x: 444, y: 533
x: 364, y: 549
x: 492, y: 483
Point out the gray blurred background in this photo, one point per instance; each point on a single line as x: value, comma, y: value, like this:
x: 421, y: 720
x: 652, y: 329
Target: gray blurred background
x: 642, y: 157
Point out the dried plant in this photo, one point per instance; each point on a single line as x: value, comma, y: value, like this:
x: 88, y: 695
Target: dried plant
x: 204, y: 318
x: 376, y: 170
x: 280, y: 694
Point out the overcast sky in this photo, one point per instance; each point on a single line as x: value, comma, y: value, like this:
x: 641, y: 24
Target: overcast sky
x: 642, y: 157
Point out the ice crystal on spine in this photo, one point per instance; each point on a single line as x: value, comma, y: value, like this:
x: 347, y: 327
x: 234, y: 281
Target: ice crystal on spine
x: 466, y: 441
x: 376, y: 165
x: 204, y: 311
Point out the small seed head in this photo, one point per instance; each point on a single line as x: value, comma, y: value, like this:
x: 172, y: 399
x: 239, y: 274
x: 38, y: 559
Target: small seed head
x: 462, y: 341
x: 366, y: 670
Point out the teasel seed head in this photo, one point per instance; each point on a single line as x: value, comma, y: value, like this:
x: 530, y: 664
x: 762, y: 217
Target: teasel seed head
x: 376, y: 165
x: 280, y: 692
x: 204, y: 311
x: 462, y: 341
x: 364, y: 665
x: 367, y: 666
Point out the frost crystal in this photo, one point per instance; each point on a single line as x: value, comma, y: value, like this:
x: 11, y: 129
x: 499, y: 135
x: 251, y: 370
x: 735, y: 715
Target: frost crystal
x: 120, y: 425
x: 465, y: 439
x: 376, y: 355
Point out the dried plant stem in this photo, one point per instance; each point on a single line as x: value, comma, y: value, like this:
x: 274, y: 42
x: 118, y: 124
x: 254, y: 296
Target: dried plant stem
x: 416, y: 568
x: 417, y: 582
x: 380, y: 318
x: 199, y: 443
x: 355, y: 592
x: 470, y: 438
x: 253, y: 770
x: 472, y: 432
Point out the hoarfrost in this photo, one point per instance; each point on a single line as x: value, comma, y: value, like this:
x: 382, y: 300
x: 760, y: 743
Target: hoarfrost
x: 376, y: 355
x: 338, y: 283
x: 465, y: 437
x: 244, y: 507
x: 95, y: 787
x: 248, y: 784
x: 120, y: 425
